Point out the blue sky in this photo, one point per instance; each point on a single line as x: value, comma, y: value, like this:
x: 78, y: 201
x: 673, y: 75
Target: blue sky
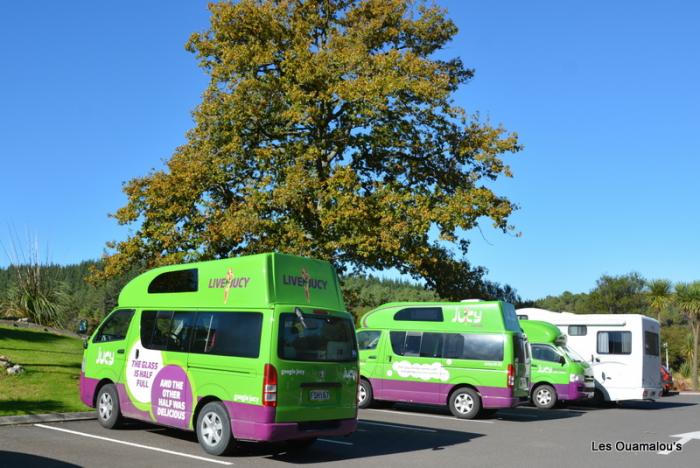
x: 604, y: 95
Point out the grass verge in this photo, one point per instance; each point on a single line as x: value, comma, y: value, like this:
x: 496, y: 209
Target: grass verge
x: 52, y: 371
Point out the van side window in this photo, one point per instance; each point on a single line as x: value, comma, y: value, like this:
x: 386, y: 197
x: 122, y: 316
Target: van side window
x: 545, y: 353
x: 368, y: 339
x: 166, y: 330
x: 420, y: 314
x: 412, y: 346
x: 651, y: 343
x: 614, y: 342
x: 476, y: 347
x: 431, y: 346
x: 180, y: 331
x: 175, y: 281
x: 228, y: 334
x: 397, y: 342
x: 115, y: 327
x: 577, y: 330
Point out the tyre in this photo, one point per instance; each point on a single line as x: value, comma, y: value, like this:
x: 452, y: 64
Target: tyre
x: 465, y: 403
x: 108, y: 411
x: 299, y: 445
x: 214, y: 429
x: 598, y: 398
x: 364, y: 394
x: 544, y: 396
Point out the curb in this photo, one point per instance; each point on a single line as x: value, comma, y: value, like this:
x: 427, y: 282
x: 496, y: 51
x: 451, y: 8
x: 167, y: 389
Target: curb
x: 44, y: 418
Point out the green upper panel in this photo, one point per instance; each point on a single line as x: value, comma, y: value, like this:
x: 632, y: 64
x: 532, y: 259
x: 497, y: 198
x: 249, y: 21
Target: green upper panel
x: 253, y: 281
x: 538, y: 331
x: 491, y: 316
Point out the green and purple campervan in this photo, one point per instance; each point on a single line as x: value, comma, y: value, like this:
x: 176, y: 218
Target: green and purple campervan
x: 257, y: 348
x: 471, y: 356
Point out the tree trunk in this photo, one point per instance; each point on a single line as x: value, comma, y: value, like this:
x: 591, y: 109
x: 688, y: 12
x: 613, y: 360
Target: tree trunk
x: 696, y: 332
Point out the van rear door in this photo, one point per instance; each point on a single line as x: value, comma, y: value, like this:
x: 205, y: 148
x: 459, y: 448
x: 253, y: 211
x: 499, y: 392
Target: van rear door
x: 521, y: 355
x: 317, y: 366
x: 651, y: 374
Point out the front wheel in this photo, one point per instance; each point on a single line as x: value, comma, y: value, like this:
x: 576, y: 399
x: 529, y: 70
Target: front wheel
x: 364, y: 394
x: 108, y: 411
x: 544, y: 397
x: 214, y: 429
x: 465, y: 403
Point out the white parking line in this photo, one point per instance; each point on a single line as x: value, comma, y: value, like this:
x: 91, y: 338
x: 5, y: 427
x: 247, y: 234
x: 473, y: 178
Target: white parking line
x: 340, y: 442
x: 147, y: 447
x: 364, y: 421
x: 430, y: 416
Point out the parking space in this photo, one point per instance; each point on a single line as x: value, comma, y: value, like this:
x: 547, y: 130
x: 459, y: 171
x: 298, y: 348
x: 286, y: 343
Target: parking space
x: 400, y: 436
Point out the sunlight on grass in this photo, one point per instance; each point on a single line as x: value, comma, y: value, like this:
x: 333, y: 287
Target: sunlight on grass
x: 50, y: 383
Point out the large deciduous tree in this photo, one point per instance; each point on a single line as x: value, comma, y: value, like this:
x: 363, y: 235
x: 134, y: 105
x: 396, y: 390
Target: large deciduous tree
x: 328, y: 129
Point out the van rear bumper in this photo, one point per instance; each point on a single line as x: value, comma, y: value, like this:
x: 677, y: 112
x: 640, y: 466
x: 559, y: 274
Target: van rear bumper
x: 276, y: 432
x: 257, y: 423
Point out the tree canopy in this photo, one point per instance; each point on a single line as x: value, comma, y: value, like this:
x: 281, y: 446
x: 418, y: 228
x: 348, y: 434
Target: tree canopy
x: 328, y: 129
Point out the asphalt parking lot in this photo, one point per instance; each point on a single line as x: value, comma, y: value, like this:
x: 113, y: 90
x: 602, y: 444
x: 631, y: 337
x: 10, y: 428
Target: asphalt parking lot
x: 402, y: 436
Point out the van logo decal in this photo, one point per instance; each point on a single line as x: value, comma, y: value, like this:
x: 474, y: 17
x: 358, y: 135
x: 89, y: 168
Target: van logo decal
x: 420, y: 371
x: 229, y: 282
x: 104, y: 357
x: 467, y: 315
x: 304, y: 280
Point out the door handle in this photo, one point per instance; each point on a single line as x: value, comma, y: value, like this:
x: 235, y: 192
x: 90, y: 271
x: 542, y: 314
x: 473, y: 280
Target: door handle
x: 389, y: 358
x: 136, y: 356
x: 371, y: 357
x: 120, y: 351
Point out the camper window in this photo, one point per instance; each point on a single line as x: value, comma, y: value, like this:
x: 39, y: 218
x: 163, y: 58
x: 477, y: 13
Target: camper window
x: 577, y: 330
x: 614, y: 342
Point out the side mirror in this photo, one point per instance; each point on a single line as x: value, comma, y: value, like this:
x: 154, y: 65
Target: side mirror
x: 85, y: 343
x: 82, y: 327
x: 562, y: 360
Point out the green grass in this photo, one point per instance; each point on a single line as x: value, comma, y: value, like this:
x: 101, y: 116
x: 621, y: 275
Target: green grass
x: 52, y: 371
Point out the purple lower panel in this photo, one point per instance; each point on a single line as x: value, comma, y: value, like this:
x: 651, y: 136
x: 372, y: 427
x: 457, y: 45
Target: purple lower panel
x: 87, y: 390
x: 571, y: 391
x: 432, y: 393
x: 256, y: 422
x: 127, y: 407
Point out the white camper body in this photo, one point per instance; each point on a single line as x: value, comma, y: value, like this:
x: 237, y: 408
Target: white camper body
x: 623, y: 350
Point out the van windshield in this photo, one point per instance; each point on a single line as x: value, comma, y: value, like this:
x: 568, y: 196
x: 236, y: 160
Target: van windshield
x: 573, y: 355
x: 316, y: 338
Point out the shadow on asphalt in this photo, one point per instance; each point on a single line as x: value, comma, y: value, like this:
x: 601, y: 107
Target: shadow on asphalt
x: 517, y: 414
x: 24, y: 460
x: 633, y: 405
x: 369, y: 441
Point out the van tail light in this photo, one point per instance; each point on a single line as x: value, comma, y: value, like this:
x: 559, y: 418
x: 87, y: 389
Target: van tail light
x: 270, y: 386
x: 511, y: 376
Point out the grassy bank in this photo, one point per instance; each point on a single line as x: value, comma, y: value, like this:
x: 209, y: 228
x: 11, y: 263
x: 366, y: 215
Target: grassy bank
x: 52, y: 365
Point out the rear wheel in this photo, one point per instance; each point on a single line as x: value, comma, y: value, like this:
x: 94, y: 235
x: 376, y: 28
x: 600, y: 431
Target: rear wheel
x: 465, y: 403
x: 108, y: 411
x: 544, y: 397
x: 364, y: 394
x: 214, y: 429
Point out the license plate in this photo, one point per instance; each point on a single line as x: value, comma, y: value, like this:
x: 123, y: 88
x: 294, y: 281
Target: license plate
x: 319, y: 395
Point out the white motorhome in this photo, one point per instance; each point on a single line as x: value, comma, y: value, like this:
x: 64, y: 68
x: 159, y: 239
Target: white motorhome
x: 623, y: 350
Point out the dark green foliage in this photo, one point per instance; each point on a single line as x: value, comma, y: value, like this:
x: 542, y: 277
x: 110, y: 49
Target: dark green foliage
x: 78, y: 299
